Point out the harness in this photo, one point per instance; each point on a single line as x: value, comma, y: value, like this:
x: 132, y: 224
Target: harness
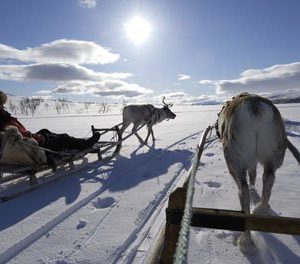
x: 216, y: 125
x: 152, y: 113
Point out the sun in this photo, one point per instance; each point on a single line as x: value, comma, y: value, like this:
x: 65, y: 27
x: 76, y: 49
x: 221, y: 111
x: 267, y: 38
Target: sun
x: 137, y: 30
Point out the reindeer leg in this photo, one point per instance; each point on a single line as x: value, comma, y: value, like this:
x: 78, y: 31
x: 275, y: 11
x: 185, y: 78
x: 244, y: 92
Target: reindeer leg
x: 123, y: 128
x: 252, y: 176
x: 245, y: 242
x: 135, y: 126
x: 263, y: 208
x: 254, y: 196
x: 268, y: 181
x: 148, y: 134
x: 153, y: 138
x: 243, y: 191
x: 150, y: 130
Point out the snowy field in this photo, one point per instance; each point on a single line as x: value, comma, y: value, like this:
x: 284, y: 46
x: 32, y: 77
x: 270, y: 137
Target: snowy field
x: 111, y: 212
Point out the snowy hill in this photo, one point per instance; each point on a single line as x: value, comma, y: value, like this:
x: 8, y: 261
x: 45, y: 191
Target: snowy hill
x: 291, y: 97
x: 39, y: 106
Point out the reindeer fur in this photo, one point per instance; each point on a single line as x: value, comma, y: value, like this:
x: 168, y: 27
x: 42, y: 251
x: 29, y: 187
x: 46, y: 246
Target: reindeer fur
x: 14, y: 152
x: 252, y: 130
x: 145, y: 114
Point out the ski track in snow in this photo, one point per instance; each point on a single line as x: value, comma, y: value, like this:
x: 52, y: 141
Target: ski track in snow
x: 124, y: 253
x: 46, y: 228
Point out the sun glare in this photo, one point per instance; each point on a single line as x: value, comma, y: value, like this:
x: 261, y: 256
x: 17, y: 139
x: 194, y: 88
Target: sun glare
x: 137, y: 30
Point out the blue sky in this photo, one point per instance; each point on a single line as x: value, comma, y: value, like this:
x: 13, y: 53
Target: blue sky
x: 79, y: 49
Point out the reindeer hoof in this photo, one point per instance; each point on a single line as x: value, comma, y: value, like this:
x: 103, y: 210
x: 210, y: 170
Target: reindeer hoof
x: 255, y: 198
x: 263, y: 209
x: 246, y: 245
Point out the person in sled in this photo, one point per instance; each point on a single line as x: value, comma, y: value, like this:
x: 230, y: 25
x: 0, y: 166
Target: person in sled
x: 44, y: 137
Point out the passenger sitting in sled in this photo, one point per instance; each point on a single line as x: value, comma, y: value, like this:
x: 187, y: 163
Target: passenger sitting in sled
x: 44, y: 137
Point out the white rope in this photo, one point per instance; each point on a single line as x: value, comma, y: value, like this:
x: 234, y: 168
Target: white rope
x: 183, y: 240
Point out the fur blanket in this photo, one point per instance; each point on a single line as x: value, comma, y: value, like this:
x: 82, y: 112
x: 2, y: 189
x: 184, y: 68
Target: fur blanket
x: 18, y: 150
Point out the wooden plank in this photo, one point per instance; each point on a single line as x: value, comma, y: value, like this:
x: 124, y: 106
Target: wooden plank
x: 222, y: 219
x: 274, y: 224
x: 176, y: 202
x: 154, y: 255
x: 105, y: 130
x: 14, y: 168
x: 235, y: 220
x: 12, y: 177
x: 218, y: 219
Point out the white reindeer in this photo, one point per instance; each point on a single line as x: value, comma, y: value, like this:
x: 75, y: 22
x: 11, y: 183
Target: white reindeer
x: 18, y: 150
x: 252, y: 130
x: 145, y: 114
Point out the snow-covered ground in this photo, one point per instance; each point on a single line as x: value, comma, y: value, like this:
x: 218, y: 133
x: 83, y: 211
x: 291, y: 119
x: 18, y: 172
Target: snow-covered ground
x: 111, y: 212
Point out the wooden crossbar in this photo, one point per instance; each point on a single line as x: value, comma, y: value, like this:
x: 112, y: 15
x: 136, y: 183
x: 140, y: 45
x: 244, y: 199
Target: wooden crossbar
x: 217, y: 219
x: 236, y: 220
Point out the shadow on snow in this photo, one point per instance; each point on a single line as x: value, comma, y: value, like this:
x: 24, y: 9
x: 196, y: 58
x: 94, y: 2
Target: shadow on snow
x: 120, y: 174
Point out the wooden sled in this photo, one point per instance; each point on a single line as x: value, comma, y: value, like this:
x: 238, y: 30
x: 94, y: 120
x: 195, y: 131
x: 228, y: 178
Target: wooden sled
x: 105, y: 150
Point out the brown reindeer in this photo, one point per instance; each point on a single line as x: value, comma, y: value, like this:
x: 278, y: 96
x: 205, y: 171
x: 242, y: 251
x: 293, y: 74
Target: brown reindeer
x: 252, y: 130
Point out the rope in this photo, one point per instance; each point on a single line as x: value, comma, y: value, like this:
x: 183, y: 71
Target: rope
x: 183, y: 240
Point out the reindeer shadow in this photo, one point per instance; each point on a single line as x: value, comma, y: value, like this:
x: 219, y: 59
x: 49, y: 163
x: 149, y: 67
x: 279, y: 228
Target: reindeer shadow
x: 270, y: 248
x: 121, y: 174
x: 141, y: 146
x: 145, y: 166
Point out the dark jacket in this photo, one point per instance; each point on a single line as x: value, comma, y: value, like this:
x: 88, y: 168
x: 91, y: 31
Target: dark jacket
x: 7, y: 120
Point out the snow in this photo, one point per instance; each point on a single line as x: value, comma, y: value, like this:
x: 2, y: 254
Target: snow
x: 111, y: 212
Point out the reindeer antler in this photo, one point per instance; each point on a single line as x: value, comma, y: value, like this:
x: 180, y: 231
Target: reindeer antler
x: 163, y: 100
x: 168, y: 105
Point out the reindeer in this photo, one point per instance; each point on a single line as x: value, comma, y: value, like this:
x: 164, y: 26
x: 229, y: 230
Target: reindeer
x: 251, y: 130
x: 145, y: 114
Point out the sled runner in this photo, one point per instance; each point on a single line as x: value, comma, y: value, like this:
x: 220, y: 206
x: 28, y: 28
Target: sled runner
x: 105, y: 150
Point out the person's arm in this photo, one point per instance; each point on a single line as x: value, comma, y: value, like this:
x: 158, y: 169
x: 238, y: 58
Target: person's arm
x: 4, y: 119
x: 7, y: 120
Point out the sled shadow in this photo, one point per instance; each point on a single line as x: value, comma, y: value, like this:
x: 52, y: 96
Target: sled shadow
x: 20, y: 208
x: 145, y: 166
x: 120, y: 174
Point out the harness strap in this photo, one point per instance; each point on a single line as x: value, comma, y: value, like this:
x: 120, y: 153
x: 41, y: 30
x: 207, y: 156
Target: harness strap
x: 151, y: 113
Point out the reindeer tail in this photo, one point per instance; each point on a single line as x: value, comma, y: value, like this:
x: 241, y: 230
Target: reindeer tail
x: 294, y: 150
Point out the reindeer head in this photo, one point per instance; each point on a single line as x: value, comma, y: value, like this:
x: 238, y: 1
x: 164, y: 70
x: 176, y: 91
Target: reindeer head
x: 168, y: 112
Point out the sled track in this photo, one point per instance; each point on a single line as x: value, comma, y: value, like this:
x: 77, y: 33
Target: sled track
x: 125, y: 252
